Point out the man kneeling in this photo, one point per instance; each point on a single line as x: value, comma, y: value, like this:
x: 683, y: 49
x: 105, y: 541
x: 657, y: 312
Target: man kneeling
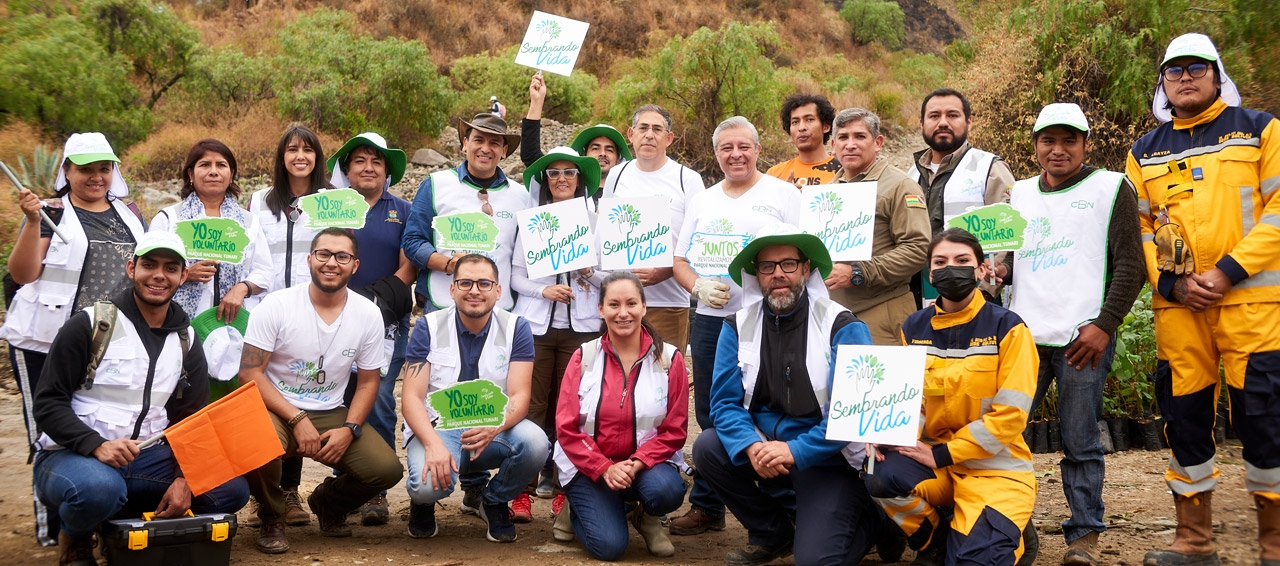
x: 152, y: 373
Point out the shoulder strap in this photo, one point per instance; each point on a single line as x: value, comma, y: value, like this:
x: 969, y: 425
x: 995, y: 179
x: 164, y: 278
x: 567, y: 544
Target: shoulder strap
x: 184, y: 342
x: 104, y: 318
x: 133, y: 206
x: 589, y: 351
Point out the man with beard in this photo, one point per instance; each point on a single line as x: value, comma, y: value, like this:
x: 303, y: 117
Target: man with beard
x: 88, y: 466
x: 807, y: 118
x: 601, y: 141
x: 768, y: 456
x: 296, y: 338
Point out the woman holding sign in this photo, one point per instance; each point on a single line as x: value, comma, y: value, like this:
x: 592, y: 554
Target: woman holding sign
x: 621, y: 434
x: 980, y: 377
x: 561, y: 309
x: 209, y: 190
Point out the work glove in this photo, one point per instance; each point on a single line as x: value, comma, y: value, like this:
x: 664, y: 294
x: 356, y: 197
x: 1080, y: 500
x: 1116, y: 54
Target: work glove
x: 711, y: 292
x: 1172, y: 252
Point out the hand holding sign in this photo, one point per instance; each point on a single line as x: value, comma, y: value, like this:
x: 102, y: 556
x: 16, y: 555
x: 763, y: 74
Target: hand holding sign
x: 876, y: 394
x: 335, y: 208
x: 552, y: 43
x: 217, y: 239
x: 998, y: 227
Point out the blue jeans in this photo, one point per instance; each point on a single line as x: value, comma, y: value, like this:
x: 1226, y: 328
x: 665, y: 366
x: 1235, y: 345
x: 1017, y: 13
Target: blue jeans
x: 518, y: 453
x: 1079, y: 409
x: 87, y: 492
x: 598, y: 517
x: 702, y: 345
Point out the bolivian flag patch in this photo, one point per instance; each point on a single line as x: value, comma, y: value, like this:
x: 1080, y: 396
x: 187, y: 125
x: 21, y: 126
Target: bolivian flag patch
x: 914, y: 201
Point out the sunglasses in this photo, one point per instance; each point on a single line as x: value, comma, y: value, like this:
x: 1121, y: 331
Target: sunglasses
x: 323, y: 256
x: 485, y: 207
x: 566, y: 173
x: 1196, y: 70
x: 768, y: 267
x: 482, y: 284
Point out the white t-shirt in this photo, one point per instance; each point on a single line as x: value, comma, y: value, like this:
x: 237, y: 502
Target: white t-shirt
x: 674, y: 181
x: 287, y: 325
x: 770, y: 200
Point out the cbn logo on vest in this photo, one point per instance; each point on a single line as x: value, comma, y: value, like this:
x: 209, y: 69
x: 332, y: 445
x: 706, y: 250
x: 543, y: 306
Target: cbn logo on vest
x: 504, y: 214
x: 763, y: 208
x: 349, y: 352
x: 1081, y: 205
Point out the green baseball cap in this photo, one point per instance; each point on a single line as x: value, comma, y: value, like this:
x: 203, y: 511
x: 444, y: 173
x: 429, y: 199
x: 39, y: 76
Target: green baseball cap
x: 89, y: 147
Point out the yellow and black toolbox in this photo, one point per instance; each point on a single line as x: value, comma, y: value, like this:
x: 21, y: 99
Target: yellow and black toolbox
x: 194, y: 540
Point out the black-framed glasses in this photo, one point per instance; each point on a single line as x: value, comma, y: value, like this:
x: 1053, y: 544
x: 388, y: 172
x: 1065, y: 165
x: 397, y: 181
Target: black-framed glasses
x: 323, y: 256
x: 482, y: 284
x: 566, y: 173
x: 485, y: 207
x: 1174, y: 72
x: 789, y: 265
x: 320, y: 370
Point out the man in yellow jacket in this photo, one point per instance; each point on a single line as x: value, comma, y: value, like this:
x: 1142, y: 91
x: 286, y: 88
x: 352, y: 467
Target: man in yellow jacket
x: 1206, y: 181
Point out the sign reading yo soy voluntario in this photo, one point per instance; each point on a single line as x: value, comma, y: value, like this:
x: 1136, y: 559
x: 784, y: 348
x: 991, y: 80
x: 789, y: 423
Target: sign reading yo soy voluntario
x: 557, y: 238
x: 876, y: 394
x: 469, y: 404
x: 999, y: 227
x: 218, y: 239
x: 334, y: 208
x: 470, y: 231
x: 552, y: 43
x: 635, y: 233
x: 842, y: 217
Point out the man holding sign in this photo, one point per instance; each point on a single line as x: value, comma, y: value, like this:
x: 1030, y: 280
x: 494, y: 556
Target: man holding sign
x: 467, y: 342
x: 1082, y: 236
x: 770, y: 398
x: 879, y: 290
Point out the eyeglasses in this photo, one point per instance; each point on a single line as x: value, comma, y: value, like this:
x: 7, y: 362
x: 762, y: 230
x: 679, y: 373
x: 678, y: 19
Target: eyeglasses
x: 656, y: 129
x: 566, y: 173
x: 323, y: 256
x: 485, y: 207
x: 482, y: 284
x: 788, y: 266
x: 1196, y: 70
x: 295, y: 211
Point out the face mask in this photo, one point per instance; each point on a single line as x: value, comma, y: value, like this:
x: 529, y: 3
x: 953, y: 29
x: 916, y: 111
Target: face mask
x: 954, y: 282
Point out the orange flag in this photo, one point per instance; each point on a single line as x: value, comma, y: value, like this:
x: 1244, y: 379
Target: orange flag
x: 228, y: 438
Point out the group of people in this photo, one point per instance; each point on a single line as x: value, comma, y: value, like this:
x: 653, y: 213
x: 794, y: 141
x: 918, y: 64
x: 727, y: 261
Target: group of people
x: 592, y: 363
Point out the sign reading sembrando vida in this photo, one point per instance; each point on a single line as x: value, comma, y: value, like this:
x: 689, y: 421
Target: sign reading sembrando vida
x: 876, y: 394
x: 635, y: 233
x: 217, y: 239
x: 842, y: 216
x: 552, y: 43
x: 557, y: 238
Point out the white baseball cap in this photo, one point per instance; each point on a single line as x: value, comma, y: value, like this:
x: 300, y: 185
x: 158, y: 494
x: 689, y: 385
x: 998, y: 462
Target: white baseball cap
x: 91, y: 147
x: 160, y: 240
x: 1192, y: 45
x: 1066, y: 114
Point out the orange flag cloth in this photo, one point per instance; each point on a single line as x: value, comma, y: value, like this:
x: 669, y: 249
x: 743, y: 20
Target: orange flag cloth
x: 228, y: 438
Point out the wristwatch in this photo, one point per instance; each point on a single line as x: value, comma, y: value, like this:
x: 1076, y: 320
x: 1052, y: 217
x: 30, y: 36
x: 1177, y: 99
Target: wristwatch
x: 354, y: 428
x: 857, y: 278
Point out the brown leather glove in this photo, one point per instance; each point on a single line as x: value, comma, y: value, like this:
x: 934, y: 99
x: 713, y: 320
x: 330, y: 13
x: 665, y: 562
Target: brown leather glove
x: 1172, y: 252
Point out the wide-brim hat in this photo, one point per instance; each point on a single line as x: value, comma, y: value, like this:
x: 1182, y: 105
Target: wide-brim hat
x: 222, y: 341
x: 1067, y: 114
x: 1192, y: 45
x: 777, y: 234
x: 583, y: 139
x: 396, y: 159
x: 589, y: 167
x: 489, y: 124
x: 92, y: 147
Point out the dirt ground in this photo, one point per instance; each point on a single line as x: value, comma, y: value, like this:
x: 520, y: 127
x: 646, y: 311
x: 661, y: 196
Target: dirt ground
x: 1139, y: 513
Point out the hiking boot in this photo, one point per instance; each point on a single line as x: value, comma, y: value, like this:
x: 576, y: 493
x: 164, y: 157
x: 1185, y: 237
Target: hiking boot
x: 522, y: 509
x: 892, y: 543
x: 271, y: 538
x: 295, y: 515
x: 1083, y: 551
x: 422, y: 520
x: 933, y: 555
x: 252, y: 521
x: 546, y: 485
x: 374, y: 512
x: 1030, y: 544
x: 75, y: 551
x: 497, y: 517
x: 562, y: 527
x: 1268, y: 530
x: 472, y: 500
x: 650, y: 528
x: 1193, y: 539
x: 754, y: 555
x: 333, y: 523
x: 697, y: 521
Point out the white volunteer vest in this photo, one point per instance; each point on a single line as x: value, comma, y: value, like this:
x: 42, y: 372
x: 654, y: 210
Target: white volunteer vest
x: 284, y: 249
x: 114, y: 404
x: 649, y: 401
x: 967, y: 187
x: 450, y: 196
x: 1061, y: 270
x: 41, y: 307
x: 584, y: 312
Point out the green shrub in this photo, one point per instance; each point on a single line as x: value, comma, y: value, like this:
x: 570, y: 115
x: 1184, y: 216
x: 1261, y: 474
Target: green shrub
x: 477, y: 77
x: 875, y: 21
x: 1132, y: 391
x: 224, y: 81
x: 151, y: 36
x: 40, y: 171
x: 920, y: 73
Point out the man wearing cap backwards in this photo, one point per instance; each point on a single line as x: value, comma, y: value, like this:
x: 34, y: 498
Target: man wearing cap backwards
x: 89, y: 467
x: 1077, y: 278
x: 770, y: 397
x: 601, y: 141
x: 301, y: 345
x: 478, y: 184
x: 1207, y: 180
x: 806, y: 119
x: 878, y: 290
x: 366, y: 164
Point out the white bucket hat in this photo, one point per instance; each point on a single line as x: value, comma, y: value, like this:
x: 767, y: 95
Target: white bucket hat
x: 91, y: 147
x: 1192, y: 45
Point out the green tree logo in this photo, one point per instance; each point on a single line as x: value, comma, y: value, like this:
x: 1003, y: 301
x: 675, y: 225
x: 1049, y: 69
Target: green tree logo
x: 1039, y: 229
x: 627, y: 216
x: 720, y: 226
x: 867, y: 372
x: 548, y: 30
x: 827, y: 205
x: 544, y: 224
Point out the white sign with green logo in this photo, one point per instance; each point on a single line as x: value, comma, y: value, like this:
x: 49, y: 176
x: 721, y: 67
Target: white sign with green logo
x: 469, y: 404
x: 218, y: 239
x: 635, y: 233
x: 876, y: 394
x: 842, y: 216
x: 552, y: 43
x: 557, y: 238
x: 334, y: 208
x: 713, y: 248
x: 470, y: 231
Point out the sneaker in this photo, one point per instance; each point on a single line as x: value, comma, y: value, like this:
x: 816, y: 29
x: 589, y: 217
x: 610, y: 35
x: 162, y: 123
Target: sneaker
x: 696, y: 521
x: 295, y: 515
x: 892, y: 543
x: 472, y: 500
x: 754, y: 555
x: 374, y: 512
x: 522, y: 509
x: 557, y: 503
x: 271, y: 538
x: 333, y: 523
x: 497, y: 517
x: 546, y: 486
x: 422, y: 520
x: 252, y: 521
